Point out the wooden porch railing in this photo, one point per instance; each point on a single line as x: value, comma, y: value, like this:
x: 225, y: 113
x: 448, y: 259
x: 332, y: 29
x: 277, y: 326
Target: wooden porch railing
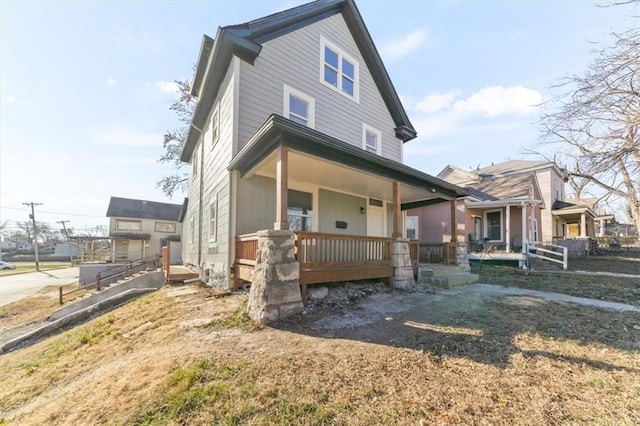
x: 246, y: 248
x: 432, y: 253
x: 336, y: 257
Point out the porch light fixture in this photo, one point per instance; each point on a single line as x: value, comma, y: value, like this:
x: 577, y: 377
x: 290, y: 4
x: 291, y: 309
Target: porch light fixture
x: 362, y: 210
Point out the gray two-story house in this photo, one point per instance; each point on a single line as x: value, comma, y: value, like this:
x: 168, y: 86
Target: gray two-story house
x: 298, y: 127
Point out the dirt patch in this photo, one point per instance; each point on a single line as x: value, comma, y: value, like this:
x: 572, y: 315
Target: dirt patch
x: 458, y: 356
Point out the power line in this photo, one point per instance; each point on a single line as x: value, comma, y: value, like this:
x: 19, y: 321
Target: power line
x: 50, y: 212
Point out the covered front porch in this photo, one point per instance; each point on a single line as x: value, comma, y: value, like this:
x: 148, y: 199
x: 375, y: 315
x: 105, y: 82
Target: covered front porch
x: 342, y: 205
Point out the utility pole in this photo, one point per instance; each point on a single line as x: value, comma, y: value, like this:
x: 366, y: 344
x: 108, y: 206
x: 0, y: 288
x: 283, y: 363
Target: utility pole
x: 66, y: 234
x: 32, y: 216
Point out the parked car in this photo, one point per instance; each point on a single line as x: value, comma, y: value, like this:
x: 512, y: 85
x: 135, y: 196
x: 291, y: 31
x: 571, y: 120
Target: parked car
x: 5, y: 265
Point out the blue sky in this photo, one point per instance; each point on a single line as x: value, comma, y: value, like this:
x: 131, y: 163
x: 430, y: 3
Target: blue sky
x: 85, y: 86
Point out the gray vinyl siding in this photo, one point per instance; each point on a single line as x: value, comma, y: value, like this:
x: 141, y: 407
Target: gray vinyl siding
x: 256, y: 204
x: 189, y: 247
x: 215, y: 179
x: 333, y: 206
x: 294, y: 59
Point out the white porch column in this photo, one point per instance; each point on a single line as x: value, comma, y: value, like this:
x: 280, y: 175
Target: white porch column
x: 282, y: 185
x: 524, y: 228
x: 508, y: 228
x: 583, y: 225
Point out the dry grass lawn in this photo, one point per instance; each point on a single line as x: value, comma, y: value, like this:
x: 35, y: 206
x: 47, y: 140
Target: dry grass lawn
x: 178, y: 358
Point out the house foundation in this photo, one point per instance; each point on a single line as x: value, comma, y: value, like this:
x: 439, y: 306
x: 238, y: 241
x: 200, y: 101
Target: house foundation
x: 402, y: 266
x: 275, y: 290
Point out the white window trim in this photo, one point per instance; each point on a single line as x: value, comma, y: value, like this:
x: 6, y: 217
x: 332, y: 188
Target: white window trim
x: 356, y: 70
x: 366, y: 128
x: 406, y: 225
x: 486, y: 224
x: 311, y: 102
x: 172, y: 226
x: 120, y: 222
x: 215, y: 125
x: 213, y: 219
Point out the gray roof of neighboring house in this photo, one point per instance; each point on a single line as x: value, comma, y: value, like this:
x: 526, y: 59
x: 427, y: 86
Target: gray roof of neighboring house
x: 512, y: 166
x: 141, y: 209
x: 245, y: 40
x: 516, y: 186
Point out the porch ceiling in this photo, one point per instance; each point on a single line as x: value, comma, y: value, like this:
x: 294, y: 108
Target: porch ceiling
x: 320, y: 159
x: 304, y: 168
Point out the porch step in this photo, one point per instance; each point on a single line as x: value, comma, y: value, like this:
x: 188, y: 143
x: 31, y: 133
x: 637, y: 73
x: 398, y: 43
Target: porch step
x: 445, y: 276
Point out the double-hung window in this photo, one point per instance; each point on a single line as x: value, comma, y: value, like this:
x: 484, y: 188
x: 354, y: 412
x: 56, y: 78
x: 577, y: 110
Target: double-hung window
x: 339, y: 70
x: 371, y: 139
x: 299, y: 107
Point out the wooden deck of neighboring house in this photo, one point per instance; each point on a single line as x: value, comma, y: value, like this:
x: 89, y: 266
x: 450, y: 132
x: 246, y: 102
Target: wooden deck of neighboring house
x: 175, y: 273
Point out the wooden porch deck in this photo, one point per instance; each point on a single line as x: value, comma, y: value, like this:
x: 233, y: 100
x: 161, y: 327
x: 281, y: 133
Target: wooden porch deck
x: 326, y: 258
x: 175, y: 273
x: 497, y: 255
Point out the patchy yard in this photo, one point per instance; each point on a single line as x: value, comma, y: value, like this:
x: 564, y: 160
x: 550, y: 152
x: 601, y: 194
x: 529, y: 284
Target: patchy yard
x: 460, y: 356
x: 592, y: 282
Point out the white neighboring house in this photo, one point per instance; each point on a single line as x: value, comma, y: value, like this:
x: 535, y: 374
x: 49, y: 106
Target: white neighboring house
x: 139, y: 229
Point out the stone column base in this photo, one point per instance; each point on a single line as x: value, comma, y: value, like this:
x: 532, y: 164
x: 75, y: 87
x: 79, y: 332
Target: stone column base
x: 275, y: 290
x: 402, y: 267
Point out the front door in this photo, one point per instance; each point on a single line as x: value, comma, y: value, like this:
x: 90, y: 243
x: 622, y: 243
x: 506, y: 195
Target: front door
x: 375, y: 220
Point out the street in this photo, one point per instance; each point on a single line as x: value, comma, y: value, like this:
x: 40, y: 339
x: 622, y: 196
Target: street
x: 16, y: 287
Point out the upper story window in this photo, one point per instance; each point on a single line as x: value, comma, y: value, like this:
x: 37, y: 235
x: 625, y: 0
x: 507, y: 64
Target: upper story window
x: 339, y: 70
x: 165, y: 227
x: 194, y: 163
x: 215, y: 126
x: 128, y: 225
x: 371, y: 139
x: 299, y: 107
x: 213, y: 219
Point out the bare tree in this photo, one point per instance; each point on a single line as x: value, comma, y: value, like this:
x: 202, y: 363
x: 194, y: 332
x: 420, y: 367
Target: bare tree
x: 595, y: 124
x: 183, y: 106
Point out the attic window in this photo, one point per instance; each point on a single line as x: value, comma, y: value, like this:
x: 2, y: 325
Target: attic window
x: 215, y: 127
x: 339, y: 70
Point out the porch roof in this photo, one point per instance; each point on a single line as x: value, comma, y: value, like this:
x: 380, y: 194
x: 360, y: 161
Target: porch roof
x: 502, y: 203
x: 279, y: 131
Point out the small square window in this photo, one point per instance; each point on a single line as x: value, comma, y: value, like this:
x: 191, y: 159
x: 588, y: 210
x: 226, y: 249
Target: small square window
x: 371, y: 139
x: 299, y: 107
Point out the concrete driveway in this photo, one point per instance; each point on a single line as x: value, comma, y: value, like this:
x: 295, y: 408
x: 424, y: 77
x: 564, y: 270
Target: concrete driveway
x: 16, y: 287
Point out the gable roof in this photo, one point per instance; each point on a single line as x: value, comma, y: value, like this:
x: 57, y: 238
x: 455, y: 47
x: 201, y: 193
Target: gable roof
x: 141, y: 209
x: 244, y: 41
x: 508, y: 187
x: 517, y: 166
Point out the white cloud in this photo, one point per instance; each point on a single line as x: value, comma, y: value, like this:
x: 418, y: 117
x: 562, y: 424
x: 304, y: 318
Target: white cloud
x: 436, y: 102
x: 495, y: 101
x: 111, y: 82
x: 167, y: 87
x: 443, y: 114
x: 11, y: 99
x: 401, y: 47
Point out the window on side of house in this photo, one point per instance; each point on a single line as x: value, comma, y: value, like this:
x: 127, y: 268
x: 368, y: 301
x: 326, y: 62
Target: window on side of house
x: 192, y: 229
x: 299, y: 107
x: 194, y: 163
x: 300, y: 210
x: 128, y: 225
x: 165, y: 227
x: 215, y: 126
x: 411, y: 227
x: 493, y: 221
x: 339, y: 70
x: 213, y: 219
x: 371, y: 139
